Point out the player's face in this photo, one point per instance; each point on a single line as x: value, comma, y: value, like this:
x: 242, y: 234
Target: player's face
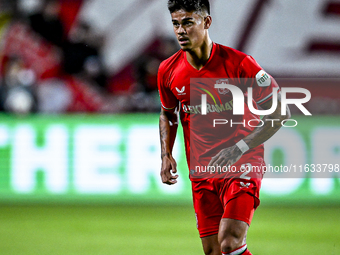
x: 189, y: 28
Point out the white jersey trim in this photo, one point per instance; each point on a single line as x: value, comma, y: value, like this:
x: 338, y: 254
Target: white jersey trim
x: 264, y: 99
x: 168, y: 108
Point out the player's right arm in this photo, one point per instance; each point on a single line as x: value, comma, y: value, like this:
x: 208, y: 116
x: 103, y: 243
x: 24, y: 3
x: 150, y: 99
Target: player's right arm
x: 168, y: 123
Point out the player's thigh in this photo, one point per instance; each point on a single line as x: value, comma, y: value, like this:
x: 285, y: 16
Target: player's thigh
x: 237, y: 216
x: 208, y: 208
x: 241, y: 199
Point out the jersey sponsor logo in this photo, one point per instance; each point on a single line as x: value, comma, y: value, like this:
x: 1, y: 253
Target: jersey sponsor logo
x: 263, y: 79
x: 217, y: 106
x: 181, y: 91
x: 223, y: 91
x: 196, y: 109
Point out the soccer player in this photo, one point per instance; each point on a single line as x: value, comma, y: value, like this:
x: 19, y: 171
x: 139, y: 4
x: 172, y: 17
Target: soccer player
x: 224, y: 201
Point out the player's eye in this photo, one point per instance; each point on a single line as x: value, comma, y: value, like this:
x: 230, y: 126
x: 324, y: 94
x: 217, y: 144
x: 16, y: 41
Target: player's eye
x: 187, y: 23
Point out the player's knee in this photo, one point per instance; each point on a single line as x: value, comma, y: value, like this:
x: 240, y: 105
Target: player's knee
x: 207, y: 250
x: 229, y: 245
x: 232, y: 234
x: 211, y: 250
x: 231, y: 242
x: 211, y: 246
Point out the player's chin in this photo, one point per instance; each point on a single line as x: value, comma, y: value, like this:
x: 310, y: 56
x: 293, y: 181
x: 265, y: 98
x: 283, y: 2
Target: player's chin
x: 185, y: 48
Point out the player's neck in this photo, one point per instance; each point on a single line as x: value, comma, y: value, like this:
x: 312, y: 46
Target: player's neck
x: 199, y: 57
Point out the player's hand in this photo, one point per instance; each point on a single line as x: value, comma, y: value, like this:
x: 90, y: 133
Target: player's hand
x: 169, y: 169
x: 226, y: 157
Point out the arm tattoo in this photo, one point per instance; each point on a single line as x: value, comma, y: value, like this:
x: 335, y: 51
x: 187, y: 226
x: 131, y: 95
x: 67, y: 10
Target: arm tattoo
x: 262, y: 133
x: 167, y: 131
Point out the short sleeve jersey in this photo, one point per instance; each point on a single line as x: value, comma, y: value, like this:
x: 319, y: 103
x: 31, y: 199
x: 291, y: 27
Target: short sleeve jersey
x: 181, y: 85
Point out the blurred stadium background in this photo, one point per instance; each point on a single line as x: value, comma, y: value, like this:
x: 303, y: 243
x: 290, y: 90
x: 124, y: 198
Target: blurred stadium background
x: 79, y: 146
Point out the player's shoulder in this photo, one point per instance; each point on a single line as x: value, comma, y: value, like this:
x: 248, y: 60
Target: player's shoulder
x: 241, y: 61
x: 231, y: 53
x: 171, y: 62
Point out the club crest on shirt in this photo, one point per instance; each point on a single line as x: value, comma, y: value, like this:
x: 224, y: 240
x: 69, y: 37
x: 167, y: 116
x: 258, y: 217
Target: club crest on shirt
x: 181, y: 91
x: 223, y: 91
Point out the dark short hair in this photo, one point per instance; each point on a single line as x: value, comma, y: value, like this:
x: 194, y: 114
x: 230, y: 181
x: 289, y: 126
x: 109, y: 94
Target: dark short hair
x: 189, y: 5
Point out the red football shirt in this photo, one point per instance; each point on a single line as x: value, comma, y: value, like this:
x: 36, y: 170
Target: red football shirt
x: 180, y: 84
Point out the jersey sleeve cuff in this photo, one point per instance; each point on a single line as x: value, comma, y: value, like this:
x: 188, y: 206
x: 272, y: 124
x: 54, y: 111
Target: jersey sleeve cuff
x: 168, y: 109
x: 265, y: 99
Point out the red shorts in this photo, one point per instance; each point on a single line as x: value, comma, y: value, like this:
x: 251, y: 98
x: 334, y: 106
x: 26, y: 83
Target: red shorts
x: 217, y: 198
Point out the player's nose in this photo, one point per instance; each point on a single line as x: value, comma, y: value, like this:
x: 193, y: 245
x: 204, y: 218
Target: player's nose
x: 181, y: 30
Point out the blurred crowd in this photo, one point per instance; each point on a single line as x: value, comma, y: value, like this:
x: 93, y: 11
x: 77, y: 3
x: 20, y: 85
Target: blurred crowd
x: 49, y: 67
x: 51, y: 61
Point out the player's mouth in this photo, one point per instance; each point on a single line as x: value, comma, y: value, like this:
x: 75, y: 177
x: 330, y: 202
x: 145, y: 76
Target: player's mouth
x: 183, y: 40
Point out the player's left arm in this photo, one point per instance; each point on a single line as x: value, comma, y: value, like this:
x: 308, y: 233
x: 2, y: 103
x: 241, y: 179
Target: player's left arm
x: 262, y: 134
x: 259, y: 135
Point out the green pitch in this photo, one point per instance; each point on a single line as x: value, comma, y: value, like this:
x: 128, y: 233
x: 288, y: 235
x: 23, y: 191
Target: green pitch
x: 154, y: 230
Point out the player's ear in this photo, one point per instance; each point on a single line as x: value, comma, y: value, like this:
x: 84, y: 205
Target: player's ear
x: 207, y: 21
